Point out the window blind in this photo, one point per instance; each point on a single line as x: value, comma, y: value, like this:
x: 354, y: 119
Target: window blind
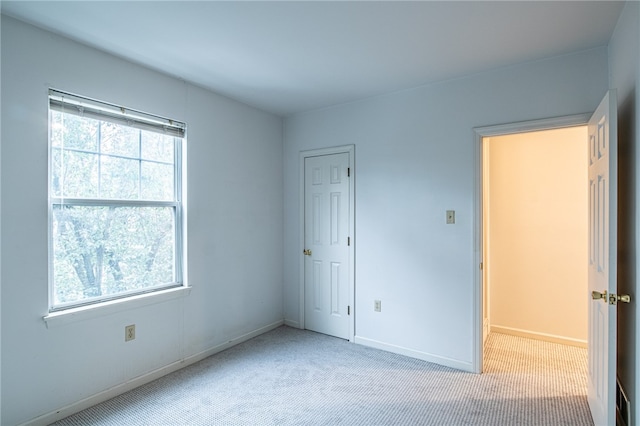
x: 85, y: 107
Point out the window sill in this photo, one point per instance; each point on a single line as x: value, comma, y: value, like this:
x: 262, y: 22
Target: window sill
x: 81, y: 313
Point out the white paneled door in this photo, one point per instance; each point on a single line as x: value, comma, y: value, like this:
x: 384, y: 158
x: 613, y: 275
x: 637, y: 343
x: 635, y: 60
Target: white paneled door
x: 327, y: 239
x: 602, y: 261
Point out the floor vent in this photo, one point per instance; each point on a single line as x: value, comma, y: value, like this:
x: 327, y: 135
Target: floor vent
x: 622, y: 406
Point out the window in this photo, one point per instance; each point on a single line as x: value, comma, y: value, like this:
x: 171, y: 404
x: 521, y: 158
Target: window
x: 115, y: 191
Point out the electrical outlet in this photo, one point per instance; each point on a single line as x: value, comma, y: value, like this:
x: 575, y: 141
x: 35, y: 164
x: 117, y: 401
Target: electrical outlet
x: 451, y: 217
x: 129, y: 332
x: 377, y: 305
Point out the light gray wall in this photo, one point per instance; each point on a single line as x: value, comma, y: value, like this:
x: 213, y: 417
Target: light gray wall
x: 234, y: 227
x: 624, y: 69
x: 415, y: 159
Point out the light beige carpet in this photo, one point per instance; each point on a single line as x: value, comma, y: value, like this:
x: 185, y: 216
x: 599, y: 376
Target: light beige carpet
x: 295, y: 377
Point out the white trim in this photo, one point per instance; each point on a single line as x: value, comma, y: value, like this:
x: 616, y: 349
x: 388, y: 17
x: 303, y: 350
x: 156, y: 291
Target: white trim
x: 479, y: 134
x: 100, y: 309
x: 92, y: 400
x: 552, y: 338
x: 477, y: 308
x: 346, y: 149
x: 105, y: 202
x: 534, y: 125
x: 291, y: 323
x: 436, y: 359
x: 485, y: 258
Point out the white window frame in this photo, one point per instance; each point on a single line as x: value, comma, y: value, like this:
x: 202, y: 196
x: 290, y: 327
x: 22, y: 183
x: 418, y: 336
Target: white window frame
x: 69, y: 103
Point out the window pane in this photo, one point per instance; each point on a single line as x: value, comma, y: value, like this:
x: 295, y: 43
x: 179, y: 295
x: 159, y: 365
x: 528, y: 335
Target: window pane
x: 102, y: 251
x: 110, y: 247
x: 158, y: 147
x: 72, y: 131
x: 119, y: 140
x: 74, y: 174
x: 157, y: 182
x: 118, y: 178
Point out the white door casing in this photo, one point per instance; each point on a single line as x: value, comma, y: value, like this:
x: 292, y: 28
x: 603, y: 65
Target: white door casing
x: 485, y: 241
x: 328, y: 285
x: 603, y: 186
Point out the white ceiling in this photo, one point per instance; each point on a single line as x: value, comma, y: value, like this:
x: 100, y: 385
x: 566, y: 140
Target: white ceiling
x: 288, y: 57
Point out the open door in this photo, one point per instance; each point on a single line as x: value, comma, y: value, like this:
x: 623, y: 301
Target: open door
x: 603, y: 187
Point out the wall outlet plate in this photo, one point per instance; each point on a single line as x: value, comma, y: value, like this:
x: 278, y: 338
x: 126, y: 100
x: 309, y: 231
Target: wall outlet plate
x: 377, y: 306
x: 129, y: 332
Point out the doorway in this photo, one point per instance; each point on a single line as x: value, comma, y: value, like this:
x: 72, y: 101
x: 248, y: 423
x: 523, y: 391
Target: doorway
x: 532, y: 213
x: 602, y: 251
x: 535, y: 205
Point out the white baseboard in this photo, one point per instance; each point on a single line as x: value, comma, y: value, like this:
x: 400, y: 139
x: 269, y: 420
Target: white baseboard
x: 85, y: 403
x: 447, y: 362
x: 539, y: 336
x: 292, y: 323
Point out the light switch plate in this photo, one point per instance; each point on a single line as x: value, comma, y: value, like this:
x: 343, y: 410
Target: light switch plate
x: 451, y: 217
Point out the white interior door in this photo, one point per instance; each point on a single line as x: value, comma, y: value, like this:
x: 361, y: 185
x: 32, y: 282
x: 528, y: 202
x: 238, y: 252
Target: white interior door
x: 327, y: 239
x: 603, y: 212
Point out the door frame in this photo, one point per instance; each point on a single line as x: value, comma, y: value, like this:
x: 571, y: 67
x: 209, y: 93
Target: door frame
x: 345, y: 149
x: 479, y: 134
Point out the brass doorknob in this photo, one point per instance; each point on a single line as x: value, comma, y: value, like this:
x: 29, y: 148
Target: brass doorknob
x: 615, y: 298
x: 596, y: 295
x: 306, y: 252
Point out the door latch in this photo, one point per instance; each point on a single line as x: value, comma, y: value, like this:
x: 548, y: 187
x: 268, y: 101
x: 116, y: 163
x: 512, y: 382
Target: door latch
x: 306, y: 252
x: 615, y: 298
